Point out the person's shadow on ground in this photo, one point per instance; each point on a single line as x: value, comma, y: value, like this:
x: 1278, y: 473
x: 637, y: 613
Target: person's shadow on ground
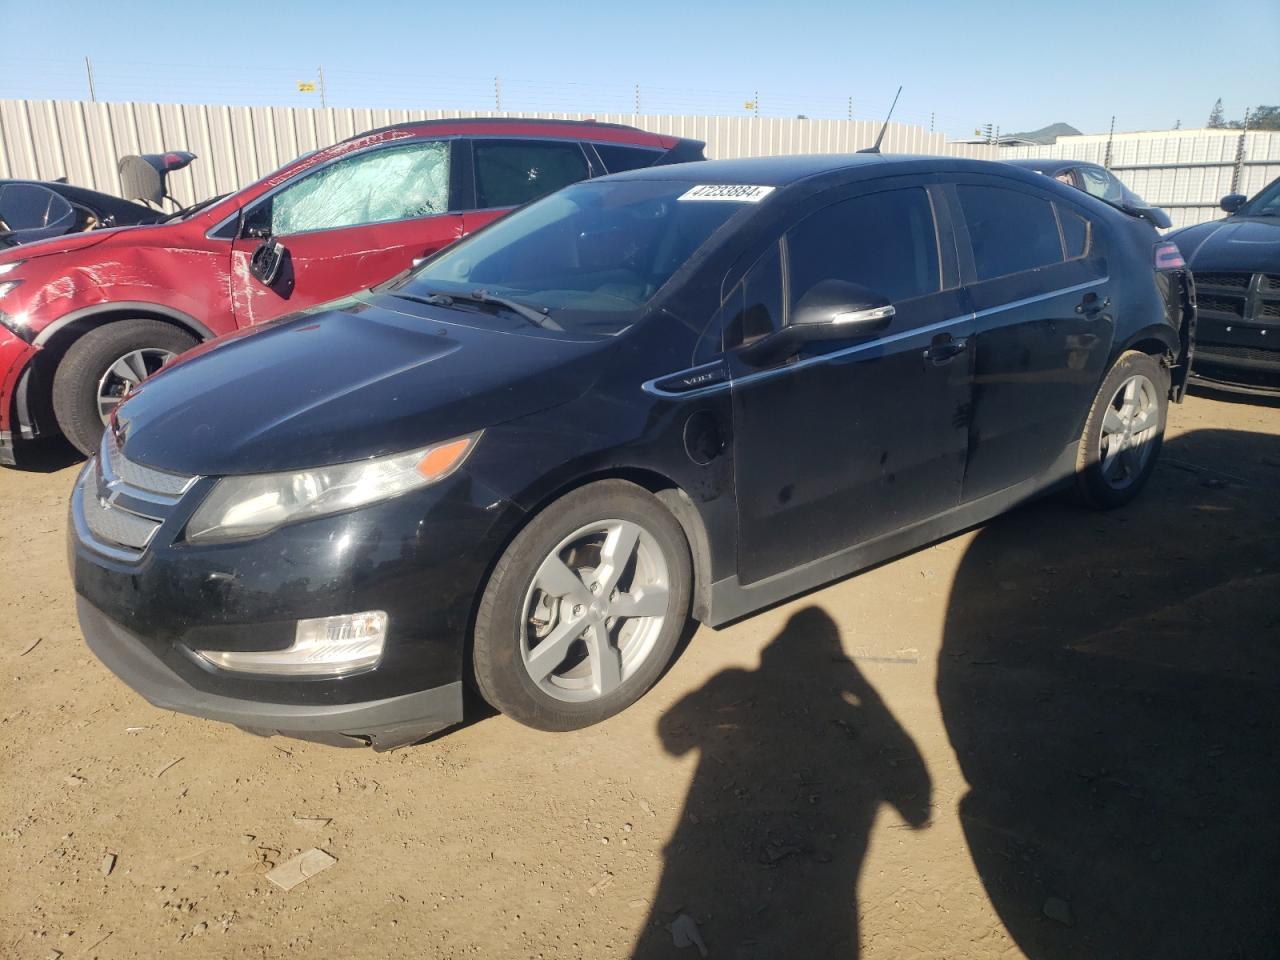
x: 1111, y: 686
x: 795, y: 758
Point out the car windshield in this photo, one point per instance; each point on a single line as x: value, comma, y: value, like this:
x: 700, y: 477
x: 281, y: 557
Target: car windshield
x: 588, y: 257
x: 1265, y: 204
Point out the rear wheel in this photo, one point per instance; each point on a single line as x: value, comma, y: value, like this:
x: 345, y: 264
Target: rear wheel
x: 1124, y: 432
x: 102, y: 366
x: 584, y: 609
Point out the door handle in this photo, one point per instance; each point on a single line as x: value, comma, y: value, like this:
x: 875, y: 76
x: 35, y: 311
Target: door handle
x: 943, y: 351
x: 1091, y: 306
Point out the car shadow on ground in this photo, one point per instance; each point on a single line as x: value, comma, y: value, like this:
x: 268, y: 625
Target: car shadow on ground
x: 1255, y: 398
x: 795, y: 759
x: 1109, y: 683
x: 46, y: 455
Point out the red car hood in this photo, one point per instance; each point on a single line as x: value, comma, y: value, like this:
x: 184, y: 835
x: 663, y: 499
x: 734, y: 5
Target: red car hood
x: 65, y: 244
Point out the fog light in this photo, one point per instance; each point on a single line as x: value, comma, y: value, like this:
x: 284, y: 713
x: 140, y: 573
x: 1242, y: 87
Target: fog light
x: 324, y: 647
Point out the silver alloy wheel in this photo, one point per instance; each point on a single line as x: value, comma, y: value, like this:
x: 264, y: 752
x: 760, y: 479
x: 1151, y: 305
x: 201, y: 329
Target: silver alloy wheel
x: 125, y: 374
x: 595, y: 610
x: 1130, y: 424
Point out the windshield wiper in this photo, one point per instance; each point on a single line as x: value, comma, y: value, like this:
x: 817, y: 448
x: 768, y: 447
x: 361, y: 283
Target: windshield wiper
x: 538, y: 318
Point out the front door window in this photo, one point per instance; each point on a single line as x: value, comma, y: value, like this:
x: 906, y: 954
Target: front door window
x: 392, y: 183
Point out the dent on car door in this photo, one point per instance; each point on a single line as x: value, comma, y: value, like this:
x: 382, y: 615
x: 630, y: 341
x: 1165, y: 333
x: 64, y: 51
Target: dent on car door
x: 848, y: 439
x: 346, y: 226
x: 1038, y: 283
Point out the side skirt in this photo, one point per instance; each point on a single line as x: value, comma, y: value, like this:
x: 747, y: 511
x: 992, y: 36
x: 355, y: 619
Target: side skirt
x: 731, y: 600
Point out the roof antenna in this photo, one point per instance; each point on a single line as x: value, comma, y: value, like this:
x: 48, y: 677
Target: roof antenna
x: 875, y: 147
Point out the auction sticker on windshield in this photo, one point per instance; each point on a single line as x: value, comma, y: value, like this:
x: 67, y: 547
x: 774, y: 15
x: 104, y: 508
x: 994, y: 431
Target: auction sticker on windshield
x: 740, y: 192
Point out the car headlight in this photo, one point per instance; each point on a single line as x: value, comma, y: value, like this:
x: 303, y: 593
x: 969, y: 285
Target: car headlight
x: 249, y: 506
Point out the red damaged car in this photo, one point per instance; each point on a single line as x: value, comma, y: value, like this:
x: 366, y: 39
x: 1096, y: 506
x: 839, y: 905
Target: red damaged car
x: 85, y: 317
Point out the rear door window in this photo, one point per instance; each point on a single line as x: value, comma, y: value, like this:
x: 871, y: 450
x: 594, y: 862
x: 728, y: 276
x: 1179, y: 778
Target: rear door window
x: 618, y: 158
x: 1010, y: 231
x: 887, y: 242
x: 512, y: 172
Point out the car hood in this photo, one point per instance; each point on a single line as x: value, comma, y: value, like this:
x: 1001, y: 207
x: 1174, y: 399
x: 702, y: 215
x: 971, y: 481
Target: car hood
x: 1245, y: 244
x: 345, y: 384
x: 63, y: 244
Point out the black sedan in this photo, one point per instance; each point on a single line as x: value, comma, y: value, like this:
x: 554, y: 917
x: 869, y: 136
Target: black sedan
x: 1098, y: 181
x: 689, y: 390
x: 1237, y: 269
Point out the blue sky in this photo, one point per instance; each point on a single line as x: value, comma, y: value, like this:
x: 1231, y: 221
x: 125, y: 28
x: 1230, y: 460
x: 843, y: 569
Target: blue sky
x: 1016, y: 65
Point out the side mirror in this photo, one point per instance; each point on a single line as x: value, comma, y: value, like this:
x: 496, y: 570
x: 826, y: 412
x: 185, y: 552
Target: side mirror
x: 268, y: 261
x: 830, y: 310
x: 836, y: 310
x: 1232, y: 202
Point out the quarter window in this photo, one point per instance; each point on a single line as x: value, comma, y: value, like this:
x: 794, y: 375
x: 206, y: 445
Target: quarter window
x: 887, y: 242
x: 392, y: 183
x: 618, y: 158
x: 1010, y: 231
x: 509, y: 173
x: 1076, y: 232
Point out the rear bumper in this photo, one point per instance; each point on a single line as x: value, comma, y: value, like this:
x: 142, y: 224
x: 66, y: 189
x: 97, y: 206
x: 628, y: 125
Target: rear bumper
x: 384, y: 724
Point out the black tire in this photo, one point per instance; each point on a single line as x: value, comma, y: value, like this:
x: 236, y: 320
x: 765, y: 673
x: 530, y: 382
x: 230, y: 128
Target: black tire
x: 75, y: 382
x: 1092, y: 487
x: 500, y: 630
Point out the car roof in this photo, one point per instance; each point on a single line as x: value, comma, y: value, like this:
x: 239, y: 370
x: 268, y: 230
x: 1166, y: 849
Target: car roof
x: 1050, y: 165
x: 784, y: 171
x: 581, y: 128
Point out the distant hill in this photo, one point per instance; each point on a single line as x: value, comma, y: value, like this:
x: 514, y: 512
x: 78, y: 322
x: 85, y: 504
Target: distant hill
x: 1047, y: 134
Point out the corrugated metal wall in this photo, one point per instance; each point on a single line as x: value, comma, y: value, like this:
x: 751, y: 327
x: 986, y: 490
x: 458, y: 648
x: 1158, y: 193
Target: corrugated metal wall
x: 47, y: 139
x: 1185, y: 171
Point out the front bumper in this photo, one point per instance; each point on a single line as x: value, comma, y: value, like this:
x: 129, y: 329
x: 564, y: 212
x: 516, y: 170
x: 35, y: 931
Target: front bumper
x: 421, y: 558
x: 384, y: 724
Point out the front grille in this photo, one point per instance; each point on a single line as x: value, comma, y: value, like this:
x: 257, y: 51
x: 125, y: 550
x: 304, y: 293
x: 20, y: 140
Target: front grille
x: 111, y: 525
x: 1228, y: 351
x: 1239, y: 281
x: 1208, y: 303
x: 119, y: 504
x: 136, y: 475
x: 1249, y: 298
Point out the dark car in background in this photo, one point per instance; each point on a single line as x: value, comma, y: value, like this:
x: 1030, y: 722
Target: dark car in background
x: 1098, y: 181
x: 33, y: 210
x: 1236, y: 262
x: 85, y: 317
x: 697, y: 388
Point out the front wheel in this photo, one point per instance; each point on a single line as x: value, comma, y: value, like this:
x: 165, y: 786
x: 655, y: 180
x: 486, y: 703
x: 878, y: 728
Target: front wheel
x: 584, y: 609
x: 1124, y: 432
x: 102, y: 366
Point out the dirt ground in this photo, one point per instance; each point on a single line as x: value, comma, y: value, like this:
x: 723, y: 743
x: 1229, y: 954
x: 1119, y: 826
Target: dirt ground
x: 1055, y: 736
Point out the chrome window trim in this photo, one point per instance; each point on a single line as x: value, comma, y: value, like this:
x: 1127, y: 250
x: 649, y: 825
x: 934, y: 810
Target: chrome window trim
x: 651, y: 386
